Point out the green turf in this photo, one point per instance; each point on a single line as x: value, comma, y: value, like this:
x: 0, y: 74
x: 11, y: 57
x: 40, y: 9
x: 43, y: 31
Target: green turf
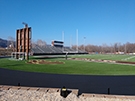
x: 70, y: 67
x: 108, y: 57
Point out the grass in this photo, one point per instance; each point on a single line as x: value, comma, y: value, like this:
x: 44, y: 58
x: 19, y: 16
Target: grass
x: 130, y: 58
x: 72, y: 66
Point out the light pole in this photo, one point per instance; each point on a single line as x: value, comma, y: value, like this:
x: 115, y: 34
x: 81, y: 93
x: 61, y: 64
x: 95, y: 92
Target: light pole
x: 77, y: 40
x: 63, y: 36
x: 125, y: 48
x: 71, y: 41
x: 84, y: 43
x: 63, y: 40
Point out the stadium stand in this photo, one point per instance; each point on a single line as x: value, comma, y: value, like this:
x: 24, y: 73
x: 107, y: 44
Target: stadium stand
x: 55, y: 50
x: 57, y: 47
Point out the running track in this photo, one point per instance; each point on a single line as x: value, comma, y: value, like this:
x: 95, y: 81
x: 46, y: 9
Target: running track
x: 120, y: 85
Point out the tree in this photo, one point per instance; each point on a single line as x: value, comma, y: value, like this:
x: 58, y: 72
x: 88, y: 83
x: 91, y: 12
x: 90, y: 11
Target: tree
x: 104, y: 48
x: 41, y: 43
x: 11, y: 42
x: 74, y: 47
x: 81, y: 47
x: 33, y: 43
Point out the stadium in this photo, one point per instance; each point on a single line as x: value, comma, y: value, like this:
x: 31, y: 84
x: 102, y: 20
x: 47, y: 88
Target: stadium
x: 72, y: 50
x: 55, y: 66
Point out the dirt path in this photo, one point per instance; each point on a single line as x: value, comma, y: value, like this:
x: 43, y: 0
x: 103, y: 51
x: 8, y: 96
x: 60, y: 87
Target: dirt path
x: 104, y: 61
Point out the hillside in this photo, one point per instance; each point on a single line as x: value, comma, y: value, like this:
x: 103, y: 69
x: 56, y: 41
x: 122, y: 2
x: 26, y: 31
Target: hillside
x: 3, y: 43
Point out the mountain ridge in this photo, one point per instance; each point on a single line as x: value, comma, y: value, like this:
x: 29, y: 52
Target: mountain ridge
x: 3, y: 43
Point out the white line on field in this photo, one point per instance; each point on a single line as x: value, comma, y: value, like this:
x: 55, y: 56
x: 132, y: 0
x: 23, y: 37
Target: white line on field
x: 129, y: 58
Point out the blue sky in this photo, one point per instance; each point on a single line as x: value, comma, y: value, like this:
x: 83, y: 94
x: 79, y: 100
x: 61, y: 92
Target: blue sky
x: 100, y: 21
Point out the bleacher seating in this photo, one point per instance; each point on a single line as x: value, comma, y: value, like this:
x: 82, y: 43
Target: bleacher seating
x: 53, y: 49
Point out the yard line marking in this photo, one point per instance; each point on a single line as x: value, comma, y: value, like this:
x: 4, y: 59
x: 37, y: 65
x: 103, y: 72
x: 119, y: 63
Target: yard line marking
x: 128, y: 58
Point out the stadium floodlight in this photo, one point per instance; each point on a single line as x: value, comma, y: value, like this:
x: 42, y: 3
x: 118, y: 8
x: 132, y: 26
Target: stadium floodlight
x: 125, y: 48
x: 63, y: 40
x: 84, y: 43
x: 63, y: 36
x: 77, y: 40
x: 71, y: 41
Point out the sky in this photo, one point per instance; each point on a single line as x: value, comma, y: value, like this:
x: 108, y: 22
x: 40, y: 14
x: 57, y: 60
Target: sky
x: 98, y: 21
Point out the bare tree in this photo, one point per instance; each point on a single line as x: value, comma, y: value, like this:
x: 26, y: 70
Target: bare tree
x: 74, y: 47
x: 41, y: 43
x: 11, y: 42
x: 33, y: 43
x: 130, y: 47
x: 113, y: 48
x: 81, y: 47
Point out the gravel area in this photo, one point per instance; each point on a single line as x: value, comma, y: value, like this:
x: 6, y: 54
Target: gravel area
x: 104, y: 61
x: 27, y: 94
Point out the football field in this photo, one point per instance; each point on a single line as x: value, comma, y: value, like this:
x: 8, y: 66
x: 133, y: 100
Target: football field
x: 130, y: 58
x: 59, y: 65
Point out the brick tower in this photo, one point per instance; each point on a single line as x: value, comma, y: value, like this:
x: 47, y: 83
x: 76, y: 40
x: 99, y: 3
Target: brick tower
x: 23, y: 40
